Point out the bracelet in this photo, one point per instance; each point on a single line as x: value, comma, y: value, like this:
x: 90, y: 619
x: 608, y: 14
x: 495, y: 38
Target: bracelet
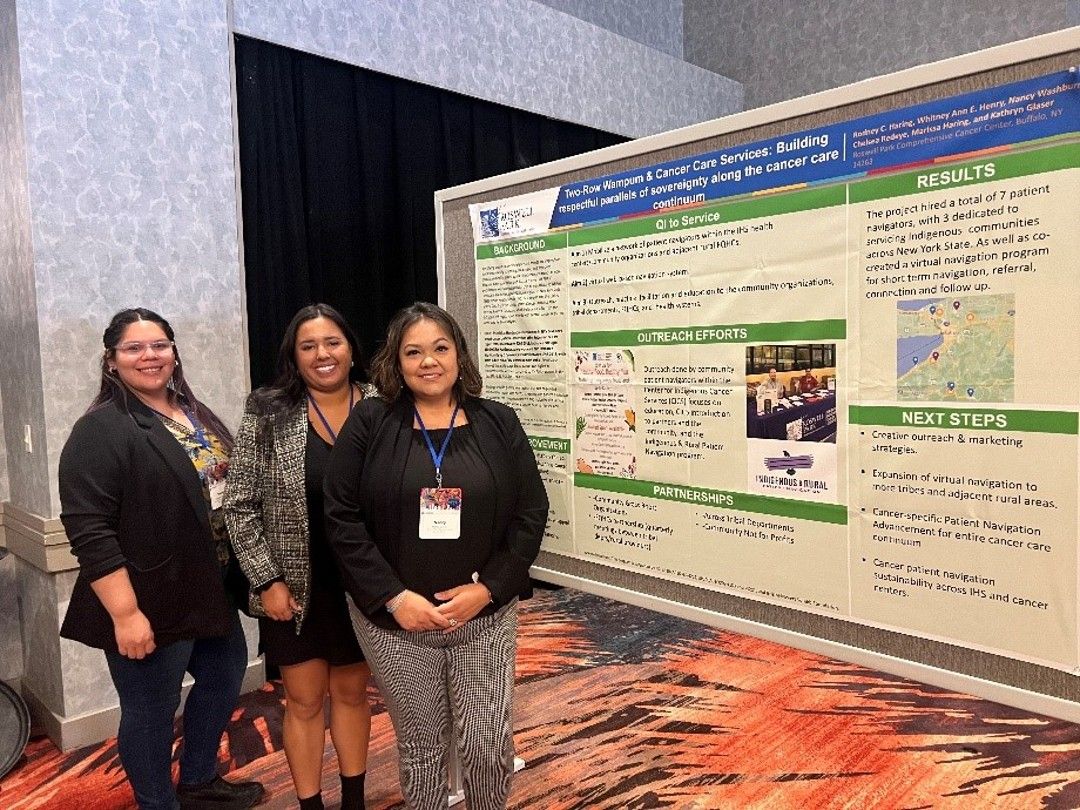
x: 395, y: 603
x: 476, y: 581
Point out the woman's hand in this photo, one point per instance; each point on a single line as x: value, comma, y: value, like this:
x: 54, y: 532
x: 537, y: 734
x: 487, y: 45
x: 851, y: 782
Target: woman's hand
x: 414, y: 612
x: 278, y: 602
x: 134, y: 636
x: 462, y: 603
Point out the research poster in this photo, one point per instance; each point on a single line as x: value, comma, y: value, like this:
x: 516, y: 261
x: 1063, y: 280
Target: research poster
x: 836, y: 370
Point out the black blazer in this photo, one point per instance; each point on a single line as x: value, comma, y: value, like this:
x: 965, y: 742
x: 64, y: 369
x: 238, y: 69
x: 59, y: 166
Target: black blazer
x: 369, y: 458
x: 130, y: 497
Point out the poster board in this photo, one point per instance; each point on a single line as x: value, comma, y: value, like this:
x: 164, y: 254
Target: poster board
x: 748, y: 354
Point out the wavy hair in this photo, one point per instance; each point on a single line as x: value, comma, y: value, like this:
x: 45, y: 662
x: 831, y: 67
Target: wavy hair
x: 386, y: 369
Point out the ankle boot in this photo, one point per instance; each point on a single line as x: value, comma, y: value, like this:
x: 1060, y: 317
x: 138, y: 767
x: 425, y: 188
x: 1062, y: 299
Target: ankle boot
x: 352, y: 792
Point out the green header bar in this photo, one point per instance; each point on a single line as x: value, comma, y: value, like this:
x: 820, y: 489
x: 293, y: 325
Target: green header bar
x: 547, y: 444
x: 739, y: 501
x: 764, y: 206
x: 951, y: 175
x: 516, y: 247
x: 783, y: 331
x: 986, y: 418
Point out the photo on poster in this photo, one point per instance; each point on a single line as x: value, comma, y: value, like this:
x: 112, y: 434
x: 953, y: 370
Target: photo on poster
x: 956, y: 349
x: 791, y: 392
x: 605, y: 410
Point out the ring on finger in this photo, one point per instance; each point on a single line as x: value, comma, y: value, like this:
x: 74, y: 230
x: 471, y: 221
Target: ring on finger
x: 453, y: 622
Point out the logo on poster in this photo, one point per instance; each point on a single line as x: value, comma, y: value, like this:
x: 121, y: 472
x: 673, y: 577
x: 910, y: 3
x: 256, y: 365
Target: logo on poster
x: 789, y: 463
x: 504, y: 221
x: 790, y: 481
x: 514, y: 221
x: 489, y: 222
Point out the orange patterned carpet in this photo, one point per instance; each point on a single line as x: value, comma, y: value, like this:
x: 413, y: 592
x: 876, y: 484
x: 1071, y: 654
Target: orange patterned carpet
x: 619, y: 707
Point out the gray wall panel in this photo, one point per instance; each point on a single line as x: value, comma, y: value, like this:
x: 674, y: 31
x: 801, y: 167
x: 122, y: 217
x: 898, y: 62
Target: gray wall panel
x: 515, y: 52
x: 656, y: 23
x: 4, y: 484
x: 20, y: 362
x: 129, y: 138
x: 781, y: 49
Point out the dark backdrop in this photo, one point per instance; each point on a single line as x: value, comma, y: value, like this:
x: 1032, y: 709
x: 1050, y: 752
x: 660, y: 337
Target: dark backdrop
x: 338, y: 168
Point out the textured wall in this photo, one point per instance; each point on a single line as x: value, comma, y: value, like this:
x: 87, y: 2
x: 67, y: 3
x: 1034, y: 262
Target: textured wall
x: 76, y: 673
x: 40, y: 621
x: 1072, y: 12
x: 656, y: 23
x: 515, y: 52
x: 20, y: 361
x: 4, y: 484
x: 129, y: 140
x: 11, y: 653
x: 781, y: 49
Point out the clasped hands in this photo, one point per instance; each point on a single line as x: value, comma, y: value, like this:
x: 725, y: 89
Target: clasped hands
x: 278, y: 602
x: 456, y: 606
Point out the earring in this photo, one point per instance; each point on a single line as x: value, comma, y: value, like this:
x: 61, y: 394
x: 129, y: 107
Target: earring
x: 352, y: 363
x: 112, y: 369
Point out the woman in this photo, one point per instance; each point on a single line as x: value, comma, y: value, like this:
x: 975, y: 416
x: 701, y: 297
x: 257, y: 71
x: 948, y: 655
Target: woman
x: 140, y: 486
x: 274, y: 509
x: 435, y: 511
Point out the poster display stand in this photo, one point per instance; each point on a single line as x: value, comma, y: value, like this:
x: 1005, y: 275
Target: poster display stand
x: 821, y: 369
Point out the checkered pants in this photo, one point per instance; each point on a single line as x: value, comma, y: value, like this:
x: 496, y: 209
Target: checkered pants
x: 429, y: 678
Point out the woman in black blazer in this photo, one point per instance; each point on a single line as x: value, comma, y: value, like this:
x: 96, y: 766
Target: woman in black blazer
x: 435, y: 511
x: 141, y: 476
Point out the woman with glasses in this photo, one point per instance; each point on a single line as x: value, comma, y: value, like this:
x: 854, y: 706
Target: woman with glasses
x: 141, y: 482
x: 274, y: 508
x: 435, y: 510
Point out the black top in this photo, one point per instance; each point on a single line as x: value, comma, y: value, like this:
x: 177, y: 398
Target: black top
x: 429, y: 566
x: 315, y: 455
x: 131, y: 498
x: 371, y: 532
x: 324, y: 571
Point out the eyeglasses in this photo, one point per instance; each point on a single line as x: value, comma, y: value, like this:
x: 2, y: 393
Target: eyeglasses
x: 136, y: 349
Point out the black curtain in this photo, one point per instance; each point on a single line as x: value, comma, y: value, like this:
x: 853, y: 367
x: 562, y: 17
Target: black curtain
x: 338, y: 167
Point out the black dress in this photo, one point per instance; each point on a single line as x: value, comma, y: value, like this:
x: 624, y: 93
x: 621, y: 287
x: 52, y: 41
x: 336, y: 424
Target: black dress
x: 326, y: 632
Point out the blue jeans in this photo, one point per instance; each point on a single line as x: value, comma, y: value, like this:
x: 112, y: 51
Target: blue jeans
x: 149, y: 693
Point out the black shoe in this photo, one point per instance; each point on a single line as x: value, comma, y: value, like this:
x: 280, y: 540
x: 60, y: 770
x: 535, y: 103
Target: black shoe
x: 217, y: 794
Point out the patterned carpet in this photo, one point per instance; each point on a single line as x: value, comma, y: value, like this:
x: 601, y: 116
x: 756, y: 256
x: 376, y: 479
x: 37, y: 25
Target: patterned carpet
x: 619, y: 707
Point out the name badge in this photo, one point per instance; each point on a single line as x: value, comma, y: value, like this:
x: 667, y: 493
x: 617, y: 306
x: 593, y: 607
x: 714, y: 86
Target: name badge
x: 217, y: 492
x: 214, y: 475
x: 440, y: 513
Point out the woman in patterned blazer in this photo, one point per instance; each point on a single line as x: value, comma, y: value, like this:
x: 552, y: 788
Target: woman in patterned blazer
x: 273, y: 506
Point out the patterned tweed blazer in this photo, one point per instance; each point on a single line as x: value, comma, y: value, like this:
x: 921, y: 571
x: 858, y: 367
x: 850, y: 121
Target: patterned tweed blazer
x: 265, y: 503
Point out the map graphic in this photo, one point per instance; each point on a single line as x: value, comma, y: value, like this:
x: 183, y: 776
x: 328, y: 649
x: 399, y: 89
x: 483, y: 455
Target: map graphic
x: 955, y: 349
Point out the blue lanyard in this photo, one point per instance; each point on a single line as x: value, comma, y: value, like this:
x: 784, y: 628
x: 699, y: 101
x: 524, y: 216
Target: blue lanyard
x: 198, y: 430
x: 437, y: 457
x: 322, y: 417
x: 197, y: 426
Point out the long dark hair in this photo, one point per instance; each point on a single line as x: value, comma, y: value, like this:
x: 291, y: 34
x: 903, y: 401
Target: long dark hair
x: 113, y: 388
x: 385, y: 370
x: 288, y: 387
